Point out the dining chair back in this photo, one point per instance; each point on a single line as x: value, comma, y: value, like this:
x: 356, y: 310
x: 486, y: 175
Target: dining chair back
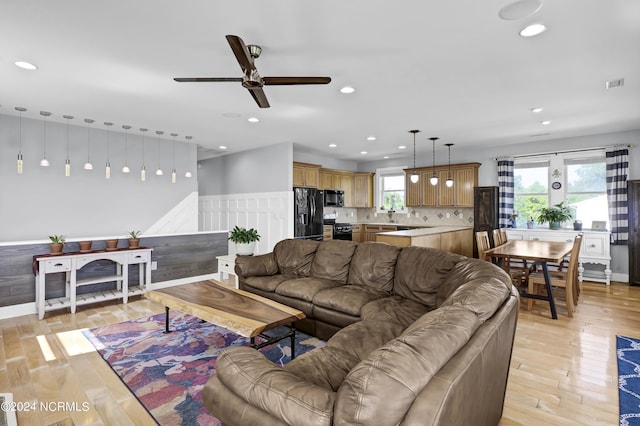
x: 567, y: 279
x: 499, y: 236
x: 482, y: 241
x: 518, y: 269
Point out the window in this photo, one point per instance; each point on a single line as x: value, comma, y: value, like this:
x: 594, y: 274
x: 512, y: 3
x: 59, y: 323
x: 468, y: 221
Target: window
x: 586, y: 191
x: 576, y: 179
x: 390, y: 191
x: 531, y: 190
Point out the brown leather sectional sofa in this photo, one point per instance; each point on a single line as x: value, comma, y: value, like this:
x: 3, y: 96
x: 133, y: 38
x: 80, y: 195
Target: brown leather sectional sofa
x: 416, y: 336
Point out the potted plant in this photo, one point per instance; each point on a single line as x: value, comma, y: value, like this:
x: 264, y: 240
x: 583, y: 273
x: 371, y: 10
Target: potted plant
x: 112, y: 244
x: 85, y: 246
x: 245, y: 240
x: 555, y: 215
x: 57, y: 243
x: 134, y: 241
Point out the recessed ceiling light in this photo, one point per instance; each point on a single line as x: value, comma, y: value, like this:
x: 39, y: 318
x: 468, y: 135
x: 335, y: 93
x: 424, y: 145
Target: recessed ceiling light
x: 332, y: 145
x: 222, y: 147
x: 385, y: 157
x: 347, y: 89
x: 253, y: 120
x: 545, y: 122
x: 363, y: 152
x: 402, y: 147
x: 533, y: 30
x: 536, y: 110
x: 26, y: 65
x: 231, y: 114
x: 371, y: 138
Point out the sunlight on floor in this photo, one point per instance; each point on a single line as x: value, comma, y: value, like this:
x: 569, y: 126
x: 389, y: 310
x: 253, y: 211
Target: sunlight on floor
x: 74, y: 342
x: 45, y: 348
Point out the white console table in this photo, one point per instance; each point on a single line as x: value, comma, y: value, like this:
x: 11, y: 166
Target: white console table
x: 595, y: 246
x: 70, y: 263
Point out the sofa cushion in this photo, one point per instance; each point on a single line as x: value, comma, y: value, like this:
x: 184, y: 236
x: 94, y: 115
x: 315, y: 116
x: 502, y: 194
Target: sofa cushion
x: 402, y: 368
x: 420, y: 271
x: 347, y: 298
x: 305, y: 288
x: 332, y: 260
x: 267, y: 283
x: 328, y: 366
x: 394, y: 309
x: 295, y: 256
x: 373, y: 265
x: 264, y: 264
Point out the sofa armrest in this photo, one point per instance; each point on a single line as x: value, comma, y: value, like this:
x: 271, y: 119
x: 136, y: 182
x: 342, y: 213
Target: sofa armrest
x: 259, y: 382
x: 252, y: 266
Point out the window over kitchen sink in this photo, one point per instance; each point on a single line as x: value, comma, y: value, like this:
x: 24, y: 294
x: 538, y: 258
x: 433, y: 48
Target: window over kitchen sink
x: 390, y: 190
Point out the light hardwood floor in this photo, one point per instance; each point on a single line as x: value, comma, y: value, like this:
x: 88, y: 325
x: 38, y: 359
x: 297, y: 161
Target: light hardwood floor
x: 563, y: 372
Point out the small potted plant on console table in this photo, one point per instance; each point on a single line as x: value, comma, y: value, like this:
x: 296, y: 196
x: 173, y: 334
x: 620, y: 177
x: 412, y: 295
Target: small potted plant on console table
x: 245, y: 240
x: 555, y: 215
x: 134, y: 241
x: 57, y: 243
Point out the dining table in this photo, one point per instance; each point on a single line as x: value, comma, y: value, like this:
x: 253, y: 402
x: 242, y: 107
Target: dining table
x: 536, y: 251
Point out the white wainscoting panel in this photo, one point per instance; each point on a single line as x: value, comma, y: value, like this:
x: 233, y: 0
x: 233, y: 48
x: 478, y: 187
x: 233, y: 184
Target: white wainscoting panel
x: 270, y: 213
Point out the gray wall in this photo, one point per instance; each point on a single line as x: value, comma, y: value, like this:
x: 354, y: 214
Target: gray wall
x: 265, y: 169
x: 42, y: 201
x: 326, y: 162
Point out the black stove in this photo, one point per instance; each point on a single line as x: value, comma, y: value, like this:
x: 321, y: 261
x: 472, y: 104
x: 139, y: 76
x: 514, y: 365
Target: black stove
x: 342, y: 231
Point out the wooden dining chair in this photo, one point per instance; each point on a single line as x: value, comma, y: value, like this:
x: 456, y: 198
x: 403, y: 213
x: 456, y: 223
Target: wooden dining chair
x: 561, y: 279
x: 518, y: 269
x: 482, y: 241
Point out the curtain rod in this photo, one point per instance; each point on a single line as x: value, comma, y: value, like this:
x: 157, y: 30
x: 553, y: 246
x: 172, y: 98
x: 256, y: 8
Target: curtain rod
x: 598, y: 148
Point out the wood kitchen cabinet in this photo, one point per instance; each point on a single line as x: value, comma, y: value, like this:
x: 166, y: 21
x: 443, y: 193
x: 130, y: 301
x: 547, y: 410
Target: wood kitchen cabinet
x: 363, y: 189
x: 356, y: 233
x: 338, y: 179
x: 423, y: 194
x: 306, y: 175
x: 370, y: 231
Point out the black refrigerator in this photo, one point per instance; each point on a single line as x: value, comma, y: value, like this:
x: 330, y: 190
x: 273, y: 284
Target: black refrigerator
x: 485, y: 212
x: 308, y: 208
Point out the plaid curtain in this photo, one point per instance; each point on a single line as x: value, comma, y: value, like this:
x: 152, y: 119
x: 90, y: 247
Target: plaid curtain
x: 505, y: 188
x: 617, y: 172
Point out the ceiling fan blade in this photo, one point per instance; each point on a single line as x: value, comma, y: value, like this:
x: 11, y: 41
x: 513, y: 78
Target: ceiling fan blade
x: 207, y: 79
x: 282, y: 81
x: 259, y: 96
x: 242, y: 53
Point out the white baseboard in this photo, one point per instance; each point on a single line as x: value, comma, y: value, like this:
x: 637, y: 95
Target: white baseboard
x: 30, y: 308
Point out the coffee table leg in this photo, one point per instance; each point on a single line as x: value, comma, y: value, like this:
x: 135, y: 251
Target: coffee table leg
x: 166, y: 320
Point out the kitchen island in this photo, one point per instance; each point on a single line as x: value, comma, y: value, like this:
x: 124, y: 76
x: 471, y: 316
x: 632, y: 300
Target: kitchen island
x: 456, y: 239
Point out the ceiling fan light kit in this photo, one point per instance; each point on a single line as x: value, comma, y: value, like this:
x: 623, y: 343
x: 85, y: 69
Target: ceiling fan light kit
x: 251, y: 80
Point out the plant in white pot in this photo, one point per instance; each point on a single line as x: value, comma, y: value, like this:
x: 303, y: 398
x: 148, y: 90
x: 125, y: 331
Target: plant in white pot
x: 555, y: 215
x: 245, y: 240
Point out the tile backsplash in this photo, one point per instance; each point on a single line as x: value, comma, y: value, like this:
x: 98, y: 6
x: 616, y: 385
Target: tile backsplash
x: 425, y: 216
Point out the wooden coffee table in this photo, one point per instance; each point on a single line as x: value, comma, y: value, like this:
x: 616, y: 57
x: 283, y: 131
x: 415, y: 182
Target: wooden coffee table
x: 244, y: 313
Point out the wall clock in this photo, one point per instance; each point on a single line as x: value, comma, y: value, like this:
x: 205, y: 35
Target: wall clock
x: 556, y: 185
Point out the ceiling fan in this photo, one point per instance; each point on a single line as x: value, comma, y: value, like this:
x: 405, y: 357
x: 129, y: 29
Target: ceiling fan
x: 245, y: 55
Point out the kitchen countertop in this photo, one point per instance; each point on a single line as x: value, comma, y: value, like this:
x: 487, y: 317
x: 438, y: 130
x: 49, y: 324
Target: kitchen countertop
x: 402, y: 225
x: 419, y: 232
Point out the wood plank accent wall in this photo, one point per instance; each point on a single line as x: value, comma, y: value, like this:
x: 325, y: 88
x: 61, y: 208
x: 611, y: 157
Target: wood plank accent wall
x: 178, y: 256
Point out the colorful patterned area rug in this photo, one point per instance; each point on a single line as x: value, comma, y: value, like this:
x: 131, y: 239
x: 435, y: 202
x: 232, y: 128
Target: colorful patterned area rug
x: 628, y: 352
x: 166, y: 372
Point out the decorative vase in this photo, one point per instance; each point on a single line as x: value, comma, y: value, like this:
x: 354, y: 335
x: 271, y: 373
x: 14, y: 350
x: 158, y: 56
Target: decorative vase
x: 112, y: 244
x: 85, y: 245
x: 245, y: 249
x: 134, y: 242
x: 554, y: 225
x: 577, y: 225
x: 56, y: 248
x: 530, y: 224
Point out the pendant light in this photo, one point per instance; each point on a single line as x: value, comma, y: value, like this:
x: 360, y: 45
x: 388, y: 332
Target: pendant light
x: 143, y: 170
x: 173, y: 170
x: 44, y: 162
x: 434, y: 177
x: 125, y: 168
x: 20, y: 110
x: 159, y: 171
x: 414, y: 176
x: 188, y: 173
x: 88, y: 165
x: 449, y: 181
x: 107, y: 169
x: 67, y: 161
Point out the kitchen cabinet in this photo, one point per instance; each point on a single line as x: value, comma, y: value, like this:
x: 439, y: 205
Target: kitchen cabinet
x: 327, y: 232
x: 356, y: 233
x: 595, y: 247
x: 423, y: 194
x: 455, y: 239
x: 338, y: 179
x: 370, y: 231
x: 362, y: 189
x: 306, y: 175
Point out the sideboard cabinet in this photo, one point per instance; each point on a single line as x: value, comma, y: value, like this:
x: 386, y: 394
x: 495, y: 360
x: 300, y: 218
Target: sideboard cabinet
x: 595, y: 247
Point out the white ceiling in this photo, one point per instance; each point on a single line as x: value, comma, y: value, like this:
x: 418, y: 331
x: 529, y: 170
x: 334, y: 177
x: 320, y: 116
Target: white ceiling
x: 453, y: 69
